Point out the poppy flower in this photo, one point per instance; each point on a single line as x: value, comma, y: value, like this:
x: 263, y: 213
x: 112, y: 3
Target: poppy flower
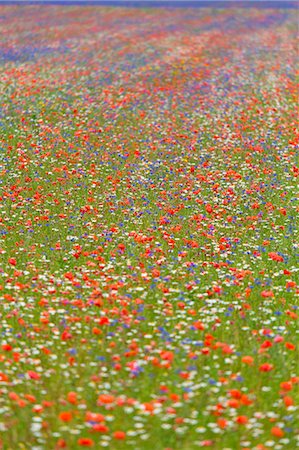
x: 85, y: 442
x: 65, y: 416
x: 277, y: 432
x: 242, y: 420
x: 266, y: 367
x: 119, y: 435
x: 249, y: 360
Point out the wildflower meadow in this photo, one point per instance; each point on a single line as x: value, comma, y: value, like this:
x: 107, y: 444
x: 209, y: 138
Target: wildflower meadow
x: 148, y: 228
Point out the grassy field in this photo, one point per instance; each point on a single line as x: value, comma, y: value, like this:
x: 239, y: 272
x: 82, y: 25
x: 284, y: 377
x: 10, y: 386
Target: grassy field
x: 148, y: 242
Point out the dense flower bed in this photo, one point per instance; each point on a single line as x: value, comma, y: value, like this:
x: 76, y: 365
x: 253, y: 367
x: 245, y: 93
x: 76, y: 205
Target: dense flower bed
x: 149, y: 266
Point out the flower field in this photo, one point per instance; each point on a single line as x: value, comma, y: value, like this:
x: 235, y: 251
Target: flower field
x: 148, y: 244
